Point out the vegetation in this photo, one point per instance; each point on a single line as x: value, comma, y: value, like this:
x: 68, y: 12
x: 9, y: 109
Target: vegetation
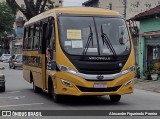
x: 32, y: 7
x: 6, y: 23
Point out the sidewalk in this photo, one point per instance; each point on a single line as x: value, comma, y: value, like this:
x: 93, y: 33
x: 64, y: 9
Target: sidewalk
x: 148, y: 85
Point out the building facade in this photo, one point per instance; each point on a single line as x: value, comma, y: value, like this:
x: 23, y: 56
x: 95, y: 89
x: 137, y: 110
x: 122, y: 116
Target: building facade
x: 17, y: 49
x: 18, y: 26
x: 127, y: 8
x: 149, y: 41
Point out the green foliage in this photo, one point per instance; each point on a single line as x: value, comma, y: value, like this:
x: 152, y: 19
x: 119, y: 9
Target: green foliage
x: 6, y: 20
x: 50, y: 4
x: 12, y: 5
x: 152, y: 69
x: 32, y: 7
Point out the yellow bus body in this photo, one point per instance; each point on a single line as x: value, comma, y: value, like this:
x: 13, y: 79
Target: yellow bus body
x: 41, y: 79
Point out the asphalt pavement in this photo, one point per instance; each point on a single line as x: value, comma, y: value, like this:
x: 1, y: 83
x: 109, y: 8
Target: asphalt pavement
x: 20, y: 96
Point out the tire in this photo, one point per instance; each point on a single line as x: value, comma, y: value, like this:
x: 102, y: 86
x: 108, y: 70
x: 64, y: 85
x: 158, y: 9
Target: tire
x: 115, y: 98
x: 36, y: 89
x: 10, y: 66
x: 3, y: 89
x: 13, y: 66
x: 56, y: 97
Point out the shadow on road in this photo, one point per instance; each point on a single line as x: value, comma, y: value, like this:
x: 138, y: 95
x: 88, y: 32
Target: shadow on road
x: 81, y: 100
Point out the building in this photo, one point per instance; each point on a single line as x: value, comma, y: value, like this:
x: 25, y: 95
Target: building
x: 149, y: 41
x: 18, y: 26
x: 16, y: 43
x: 127, y: 8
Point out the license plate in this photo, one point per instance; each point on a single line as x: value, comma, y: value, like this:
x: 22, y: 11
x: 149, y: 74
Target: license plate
x: 100, y: 85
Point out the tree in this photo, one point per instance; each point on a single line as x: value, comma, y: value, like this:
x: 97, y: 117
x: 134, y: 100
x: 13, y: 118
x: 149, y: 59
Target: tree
x: 6, y: 18
x: 32, y: 7
x: 6, y: 22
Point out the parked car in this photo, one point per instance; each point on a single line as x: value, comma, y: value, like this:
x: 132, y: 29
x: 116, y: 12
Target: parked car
x: 2, y: 80
x: 15, y: 61
x: 7, y: 60
x: 5, y: 57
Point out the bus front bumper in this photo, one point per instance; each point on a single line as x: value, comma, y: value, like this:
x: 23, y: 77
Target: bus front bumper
x: 80, y: 87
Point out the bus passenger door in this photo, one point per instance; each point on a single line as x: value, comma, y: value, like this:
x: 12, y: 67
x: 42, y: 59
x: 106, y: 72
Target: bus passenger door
x: 43, y: 52
x: 49, y: 57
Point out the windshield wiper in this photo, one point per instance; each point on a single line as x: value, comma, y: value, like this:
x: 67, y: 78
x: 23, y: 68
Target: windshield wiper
x: 90, y: 39
x: 107, y: 42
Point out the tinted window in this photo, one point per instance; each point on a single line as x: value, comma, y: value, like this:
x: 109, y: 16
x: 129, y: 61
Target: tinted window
x: 75, y: 33
x: 95, y: 35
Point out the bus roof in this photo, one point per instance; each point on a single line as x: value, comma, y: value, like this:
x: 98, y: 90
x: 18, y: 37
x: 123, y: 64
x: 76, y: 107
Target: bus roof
x: 74, y: 10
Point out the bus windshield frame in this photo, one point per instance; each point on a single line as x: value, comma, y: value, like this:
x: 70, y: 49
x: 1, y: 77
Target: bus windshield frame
x: 74, y: 32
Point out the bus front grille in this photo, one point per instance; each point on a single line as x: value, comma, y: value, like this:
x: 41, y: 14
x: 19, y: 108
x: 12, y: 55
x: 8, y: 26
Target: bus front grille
x: 109, y: 89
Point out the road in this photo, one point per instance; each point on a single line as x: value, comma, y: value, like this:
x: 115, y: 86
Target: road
x: 20, y: 96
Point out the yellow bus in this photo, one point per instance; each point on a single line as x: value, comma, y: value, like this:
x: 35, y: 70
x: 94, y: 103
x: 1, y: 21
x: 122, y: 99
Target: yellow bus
x: 79, y: 51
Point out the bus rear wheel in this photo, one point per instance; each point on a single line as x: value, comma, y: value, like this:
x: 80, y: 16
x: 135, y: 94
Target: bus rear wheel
x: 3, y: 89
x: 36, y: 89
x: 115, y: 98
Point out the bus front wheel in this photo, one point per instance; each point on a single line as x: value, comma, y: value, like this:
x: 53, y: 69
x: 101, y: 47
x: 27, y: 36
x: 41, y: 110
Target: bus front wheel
x: 56, y: 97
x: 115, y: 98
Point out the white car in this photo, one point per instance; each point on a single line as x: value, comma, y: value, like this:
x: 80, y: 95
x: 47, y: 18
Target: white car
x: 5, y: 57
x: 2, y: 80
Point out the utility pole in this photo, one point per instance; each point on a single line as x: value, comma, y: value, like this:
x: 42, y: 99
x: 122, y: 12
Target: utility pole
x: 125, y: 8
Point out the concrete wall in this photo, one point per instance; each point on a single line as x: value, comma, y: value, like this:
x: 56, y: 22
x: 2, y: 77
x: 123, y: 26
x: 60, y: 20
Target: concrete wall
x: 133, y: 7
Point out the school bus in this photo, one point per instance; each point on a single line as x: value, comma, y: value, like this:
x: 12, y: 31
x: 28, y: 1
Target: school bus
x: 79, y: 51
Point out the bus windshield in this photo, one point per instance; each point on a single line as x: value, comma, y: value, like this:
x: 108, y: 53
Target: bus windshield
x: 94, y: 35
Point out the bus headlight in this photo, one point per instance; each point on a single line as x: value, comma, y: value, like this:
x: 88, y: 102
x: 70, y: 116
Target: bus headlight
x: 132, y: 68
x: 66, y: 69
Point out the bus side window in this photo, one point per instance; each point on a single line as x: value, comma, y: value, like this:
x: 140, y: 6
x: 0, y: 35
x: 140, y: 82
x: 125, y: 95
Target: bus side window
x: 36, y: 36
x: 40, y: 38
x: 31, y: 38
x: 25, y: 39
